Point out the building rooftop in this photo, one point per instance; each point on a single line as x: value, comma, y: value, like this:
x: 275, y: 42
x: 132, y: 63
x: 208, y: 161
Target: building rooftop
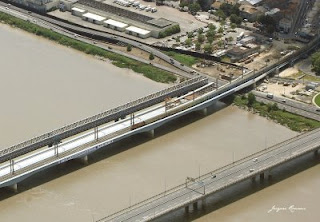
x: 160, y: 22
x: 138, y: 30
x: 94, y: 16
x: 254, y: 2
x: 115, y: 23
x: 78, y: 9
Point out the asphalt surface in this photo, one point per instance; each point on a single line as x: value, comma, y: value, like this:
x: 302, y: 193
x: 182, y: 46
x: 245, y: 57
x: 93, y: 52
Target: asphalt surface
x: 219, y: 179
x: 289, y: 105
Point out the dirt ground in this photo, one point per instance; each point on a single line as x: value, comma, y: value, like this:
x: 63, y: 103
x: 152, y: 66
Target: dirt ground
x: 216, y: 70
x: 280, y: 90
x: 289, y: 72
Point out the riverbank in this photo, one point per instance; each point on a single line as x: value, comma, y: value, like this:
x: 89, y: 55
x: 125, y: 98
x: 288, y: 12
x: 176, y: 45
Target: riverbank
x: 271, y: 111
x: 147, y: 70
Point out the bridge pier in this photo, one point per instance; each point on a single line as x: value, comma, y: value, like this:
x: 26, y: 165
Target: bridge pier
x: 253, y: 179
x: 203, y: 204
x: 277, y: 71
x: 269, y: 175
x: 261, y: 177
x: 204, y: 111
x: 195, y: 206
x: 187, y: 208
x: 13, y: 187
x: 84, y: 159
x: 151, y: 133
x: 316, y: 152
x: 254, y: 85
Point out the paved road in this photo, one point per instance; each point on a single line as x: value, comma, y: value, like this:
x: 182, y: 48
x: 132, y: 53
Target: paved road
x: 308, y: 111
x: 217, y: 180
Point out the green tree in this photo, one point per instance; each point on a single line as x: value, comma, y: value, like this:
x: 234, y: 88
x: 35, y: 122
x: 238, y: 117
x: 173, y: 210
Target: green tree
x: 129, y: 48
x: 233, y: 26
x: 208, y: 48
x: 235, y: 19
x: 151, y: 56
x: 201, y: 38
x: 190, y: 35
x: 194, y: 8
x: 198, y: 46
x: 188, y: 42
x: 251, y: 99
x: 200, y: 30
x: 230, y: 39
x: 221, y: 15
x: 220, y: 43
x: 212, y: 27
x: 211, y: 34
x: 220, y: 30
x: 210, y: 39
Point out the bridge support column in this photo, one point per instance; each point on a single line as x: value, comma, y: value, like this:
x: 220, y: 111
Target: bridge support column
x: 254, y: 85
x: 13, y: 187
x: 186, y: 208
x: 84, y: 159
x: 269, y: 175
x: 195, y: 206
x: 316, y: 152
x: 204, y: 111
x: 151, y: 133
x: 277, y: 71
x: 261, y: 177
x: 253, y: 179
x: 203, y: 204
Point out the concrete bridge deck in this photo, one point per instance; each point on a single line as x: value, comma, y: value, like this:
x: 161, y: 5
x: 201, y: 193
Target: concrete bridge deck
x: 195, y: 189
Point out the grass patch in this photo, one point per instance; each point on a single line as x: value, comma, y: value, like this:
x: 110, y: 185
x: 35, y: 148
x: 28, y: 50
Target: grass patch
x: 226, y: 59
x: 290, y: 120
x: 317, y: 100
x: 184, y: 59
x: 147, y: 70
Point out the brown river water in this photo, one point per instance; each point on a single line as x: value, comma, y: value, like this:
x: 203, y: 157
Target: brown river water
x: 44, y: 86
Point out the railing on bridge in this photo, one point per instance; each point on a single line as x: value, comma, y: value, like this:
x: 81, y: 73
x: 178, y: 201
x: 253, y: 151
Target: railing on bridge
x: 168, y: 192
x: 56, y: 136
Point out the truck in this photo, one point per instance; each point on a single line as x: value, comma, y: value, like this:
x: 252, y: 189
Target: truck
x: 240, y: 36
x: 270, y: 95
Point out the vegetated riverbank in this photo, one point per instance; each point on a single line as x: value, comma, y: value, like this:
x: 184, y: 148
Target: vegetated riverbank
x: 271, y: 111
x: 147, y: 70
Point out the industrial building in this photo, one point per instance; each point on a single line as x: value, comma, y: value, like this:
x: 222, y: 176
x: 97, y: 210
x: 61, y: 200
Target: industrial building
x: 120, y: 19
x: 241, y: 52
x: 77, y: 11
x: 119, y: 26
x: 135, y: 31
x: 94, y: 18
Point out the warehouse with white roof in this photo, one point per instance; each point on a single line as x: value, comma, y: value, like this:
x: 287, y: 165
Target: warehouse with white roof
x: 135, y: 31
x: 77, y: 11
x: 90, y: 17
x: 119, y: 26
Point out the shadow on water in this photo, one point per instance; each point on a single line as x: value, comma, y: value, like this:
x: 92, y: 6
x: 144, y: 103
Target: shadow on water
x: 71, y: 166
x: 242, y: 190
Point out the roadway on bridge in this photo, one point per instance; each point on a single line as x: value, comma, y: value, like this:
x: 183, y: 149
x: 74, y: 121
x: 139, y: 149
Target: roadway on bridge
x: 215, y: 181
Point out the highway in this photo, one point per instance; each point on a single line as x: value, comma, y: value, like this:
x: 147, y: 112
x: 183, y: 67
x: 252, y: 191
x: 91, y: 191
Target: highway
x: 196, y: 189
x: 308, y: 111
